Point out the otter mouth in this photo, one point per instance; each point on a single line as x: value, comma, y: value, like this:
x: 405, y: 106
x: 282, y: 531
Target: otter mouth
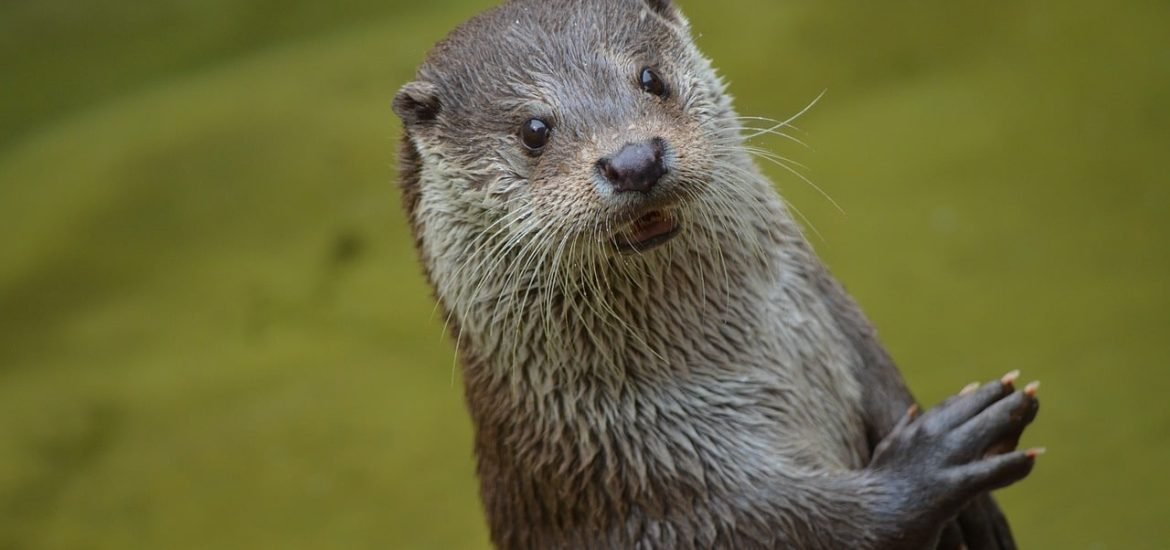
x: 647, y: 232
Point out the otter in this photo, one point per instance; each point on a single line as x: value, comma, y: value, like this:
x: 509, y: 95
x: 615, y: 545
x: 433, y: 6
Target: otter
x: 652, y: 354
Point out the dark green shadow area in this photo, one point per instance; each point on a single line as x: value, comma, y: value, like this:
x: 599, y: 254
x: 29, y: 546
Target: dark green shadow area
x: 214, y: 334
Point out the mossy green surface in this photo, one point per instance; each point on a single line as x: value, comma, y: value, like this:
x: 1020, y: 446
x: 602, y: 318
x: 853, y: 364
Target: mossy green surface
x: 214, y: 334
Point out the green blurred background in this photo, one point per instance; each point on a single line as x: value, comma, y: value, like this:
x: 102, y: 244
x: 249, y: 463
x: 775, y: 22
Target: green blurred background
x: 213, y: 332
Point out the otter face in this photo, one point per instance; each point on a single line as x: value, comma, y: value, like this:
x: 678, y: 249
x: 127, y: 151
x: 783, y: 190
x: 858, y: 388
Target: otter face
x: 571, y: 166
x: 565, y: 126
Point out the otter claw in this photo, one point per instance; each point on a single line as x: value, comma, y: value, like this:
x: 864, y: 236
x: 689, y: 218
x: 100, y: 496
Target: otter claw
x: 1031, y: 388
x: 964, y: 446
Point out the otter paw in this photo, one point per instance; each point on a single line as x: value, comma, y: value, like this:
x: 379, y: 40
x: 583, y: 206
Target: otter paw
x: 964, y: 446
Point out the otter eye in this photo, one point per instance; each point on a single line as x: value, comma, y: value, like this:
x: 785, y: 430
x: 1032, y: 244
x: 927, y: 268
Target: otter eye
x: 534, y: 133
x: 651, y: 82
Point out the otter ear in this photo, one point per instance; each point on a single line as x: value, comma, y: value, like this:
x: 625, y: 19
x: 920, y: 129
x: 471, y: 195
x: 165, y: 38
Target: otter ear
x: 417, y: 103
x: 666, y: 9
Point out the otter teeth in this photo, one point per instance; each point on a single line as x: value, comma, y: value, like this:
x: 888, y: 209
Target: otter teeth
x: 648, y: 231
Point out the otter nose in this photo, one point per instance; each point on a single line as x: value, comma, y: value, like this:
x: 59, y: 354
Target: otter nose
x: 636, y: 167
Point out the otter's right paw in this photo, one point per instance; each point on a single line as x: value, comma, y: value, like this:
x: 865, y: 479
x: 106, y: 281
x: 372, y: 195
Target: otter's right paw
x: 962, y: 447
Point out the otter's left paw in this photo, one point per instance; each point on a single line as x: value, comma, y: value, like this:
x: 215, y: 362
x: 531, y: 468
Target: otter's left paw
x: 962, y: 447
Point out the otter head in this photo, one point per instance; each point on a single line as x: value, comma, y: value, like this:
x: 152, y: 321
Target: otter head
x: 565, y: 144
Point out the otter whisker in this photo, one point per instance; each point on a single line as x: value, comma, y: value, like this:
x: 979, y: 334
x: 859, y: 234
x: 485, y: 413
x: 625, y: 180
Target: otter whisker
x: 560, y: 283
x: 514, y: 276
x: 544, y: 267
x: 725, y: 204
x: 480, y: 241
x: 496, y: 254
x: 793, y: 118
x: 488, y: 237
x: 592, y: 297
x: 745, y: 175
x: 517, y: 266
x: 713, y: 230
x: 775, y: 160
x: 704, y: 224
x: 477, y: 246
x: 623, y: 326
x: 769, y: 154
x: 754, y: 132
